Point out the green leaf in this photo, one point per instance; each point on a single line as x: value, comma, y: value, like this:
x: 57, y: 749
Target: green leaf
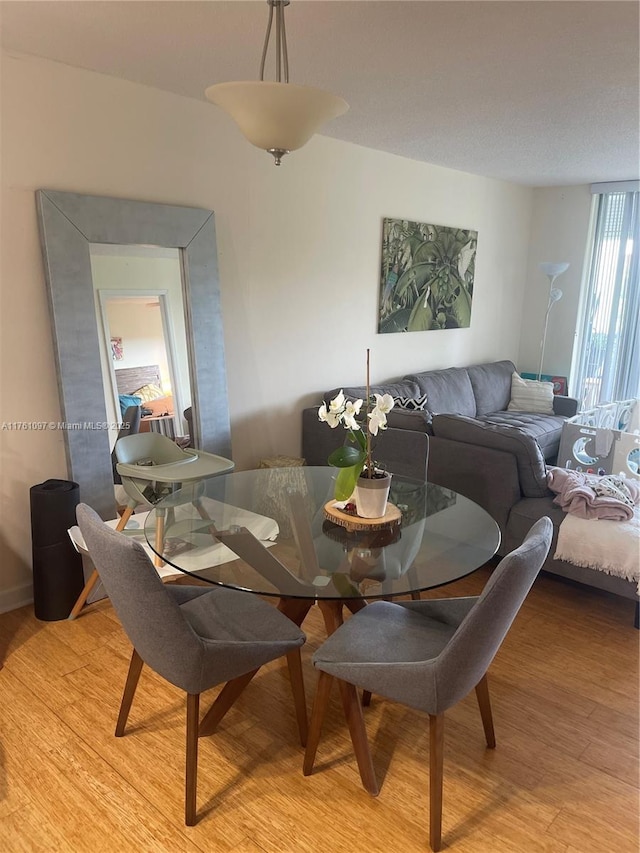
x: 421, y: 319
x: 346, y: 481
x: 396, y: 322
x: 347, y: 457
x: 417, y: 275
x: 462, y: 309
x: 426, y: 253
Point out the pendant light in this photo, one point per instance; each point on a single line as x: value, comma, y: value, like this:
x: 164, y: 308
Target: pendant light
x: 276, y: 116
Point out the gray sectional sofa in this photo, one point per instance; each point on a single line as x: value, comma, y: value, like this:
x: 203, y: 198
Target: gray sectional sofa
x: 477, y: 447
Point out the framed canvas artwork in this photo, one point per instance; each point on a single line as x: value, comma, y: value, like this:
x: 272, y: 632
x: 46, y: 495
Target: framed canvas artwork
x: 117, y: 353
x: 426, y: 279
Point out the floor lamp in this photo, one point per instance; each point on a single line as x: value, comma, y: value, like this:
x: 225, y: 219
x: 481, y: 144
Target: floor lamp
x: 552, y: 271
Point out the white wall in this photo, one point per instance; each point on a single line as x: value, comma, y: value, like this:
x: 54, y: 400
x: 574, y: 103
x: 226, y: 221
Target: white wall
x: 299, y: 253
x: 559, y: 232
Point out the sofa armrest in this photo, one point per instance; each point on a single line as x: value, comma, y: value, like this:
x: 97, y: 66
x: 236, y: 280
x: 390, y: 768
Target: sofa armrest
x: 483, y: 474
x: 564, y: 406
x: 510, y: 439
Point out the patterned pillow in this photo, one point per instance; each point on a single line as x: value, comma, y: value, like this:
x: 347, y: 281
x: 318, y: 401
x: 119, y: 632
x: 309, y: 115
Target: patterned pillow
x: 413, y: 404
x: 148, y: 393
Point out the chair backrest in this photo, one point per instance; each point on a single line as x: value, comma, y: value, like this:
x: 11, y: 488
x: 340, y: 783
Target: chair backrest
x: 148, y: 445
x: 151, y: 619
x: 130, y: 426
x: 408, y: 457
x: 468, y: 654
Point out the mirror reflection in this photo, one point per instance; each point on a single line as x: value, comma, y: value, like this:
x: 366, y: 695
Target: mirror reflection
x: 143, y: 346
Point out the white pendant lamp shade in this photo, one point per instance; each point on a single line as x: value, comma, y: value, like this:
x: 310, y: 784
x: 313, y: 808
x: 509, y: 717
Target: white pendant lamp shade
x: 276, y: 116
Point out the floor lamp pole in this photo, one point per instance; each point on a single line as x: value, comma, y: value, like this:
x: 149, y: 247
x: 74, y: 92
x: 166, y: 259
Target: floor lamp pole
x: 552, y: 271
x: 544, y: 338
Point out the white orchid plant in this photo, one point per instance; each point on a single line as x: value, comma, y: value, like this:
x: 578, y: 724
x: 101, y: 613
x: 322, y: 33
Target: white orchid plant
x: 354, y: 457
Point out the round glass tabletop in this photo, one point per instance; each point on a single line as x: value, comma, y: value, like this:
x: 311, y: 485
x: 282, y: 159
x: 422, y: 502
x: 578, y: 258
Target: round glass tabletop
x: 266, y: 531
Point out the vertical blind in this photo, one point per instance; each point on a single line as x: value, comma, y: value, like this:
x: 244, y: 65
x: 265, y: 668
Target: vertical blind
x: 609, y: 364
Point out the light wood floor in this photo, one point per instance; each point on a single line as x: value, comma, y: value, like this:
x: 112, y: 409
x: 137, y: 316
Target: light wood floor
x: 563, y: 779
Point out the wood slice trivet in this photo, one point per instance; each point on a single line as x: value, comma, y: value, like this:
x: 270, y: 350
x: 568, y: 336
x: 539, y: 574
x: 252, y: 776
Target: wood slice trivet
x: 391, y: 517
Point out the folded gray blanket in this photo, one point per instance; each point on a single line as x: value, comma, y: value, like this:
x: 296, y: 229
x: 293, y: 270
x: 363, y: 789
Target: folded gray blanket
x: 590, y: 496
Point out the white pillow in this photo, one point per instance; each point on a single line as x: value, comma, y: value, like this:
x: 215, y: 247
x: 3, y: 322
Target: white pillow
x: 529, y: 395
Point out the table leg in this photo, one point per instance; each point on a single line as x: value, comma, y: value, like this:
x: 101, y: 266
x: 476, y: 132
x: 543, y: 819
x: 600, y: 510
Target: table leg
x: 224, y: 701
x: 331, y: 610
x: 295, y: 609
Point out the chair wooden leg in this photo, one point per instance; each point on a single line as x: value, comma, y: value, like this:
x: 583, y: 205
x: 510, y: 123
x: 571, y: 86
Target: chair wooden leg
x: 355, y: 720
x: 484, y: 703
x: 320, y: 705
x: 294, y: 662
x: 94, y: 577
x: 204, y: 515
x: 86, y: 591
x: 224, y: 701
x: 126, y: 515
x: 135, y: 668
x: 193, y: 707
x: 436, y: 757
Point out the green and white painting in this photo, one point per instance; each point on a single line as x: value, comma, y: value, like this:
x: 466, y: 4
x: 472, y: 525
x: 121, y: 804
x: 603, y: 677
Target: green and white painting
x: 427, y: 276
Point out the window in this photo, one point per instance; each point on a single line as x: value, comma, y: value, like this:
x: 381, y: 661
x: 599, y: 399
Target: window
x: 608, y: 368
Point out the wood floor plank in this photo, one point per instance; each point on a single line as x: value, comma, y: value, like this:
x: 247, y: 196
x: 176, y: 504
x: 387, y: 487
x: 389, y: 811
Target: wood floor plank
x: 621, y: 761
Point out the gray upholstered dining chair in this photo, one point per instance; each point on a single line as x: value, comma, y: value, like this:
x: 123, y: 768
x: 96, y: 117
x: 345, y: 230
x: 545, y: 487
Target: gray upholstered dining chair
x: 428, y: 655
x: 195, y: 637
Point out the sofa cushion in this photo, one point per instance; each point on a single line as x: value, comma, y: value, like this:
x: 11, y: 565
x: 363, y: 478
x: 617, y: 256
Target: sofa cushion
x: 546, y: 429
x: 448, y: 391
x: 491, y: 385
x: 529, y: 458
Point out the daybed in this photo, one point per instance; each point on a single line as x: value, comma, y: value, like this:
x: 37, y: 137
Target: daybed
x: 478, y: 447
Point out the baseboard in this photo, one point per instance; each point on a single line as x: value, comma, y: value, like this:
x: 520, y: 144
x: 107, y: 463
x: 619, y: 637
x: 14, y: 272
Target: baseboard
x: 17, y: 596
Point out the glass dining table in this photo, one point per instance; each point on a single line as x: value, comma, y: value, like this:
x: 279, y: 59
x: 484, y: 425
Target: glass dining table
x: 272, y: 532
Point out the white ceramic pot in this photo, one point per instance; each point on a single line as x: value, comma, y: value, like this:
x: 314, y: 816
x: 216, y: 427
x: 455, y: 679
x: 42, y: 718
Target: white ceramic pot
x: 372, y: 495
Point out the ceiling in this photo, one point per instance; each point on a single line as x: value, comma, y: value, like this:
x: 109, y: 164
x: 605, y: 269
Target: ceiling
x: 540, y: 93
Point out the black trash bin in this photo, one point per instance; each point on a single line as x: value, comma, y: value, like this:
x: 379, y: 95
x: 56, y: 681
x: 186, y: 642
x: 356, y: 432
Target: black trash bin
x: 57, y: 566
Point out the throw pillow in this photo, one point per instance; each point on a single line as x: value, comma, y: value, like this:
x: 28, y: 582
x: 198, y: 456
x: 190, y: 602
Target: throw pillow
x: 148, y: 393
x: 413, y: 404
x: 528, y: 395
